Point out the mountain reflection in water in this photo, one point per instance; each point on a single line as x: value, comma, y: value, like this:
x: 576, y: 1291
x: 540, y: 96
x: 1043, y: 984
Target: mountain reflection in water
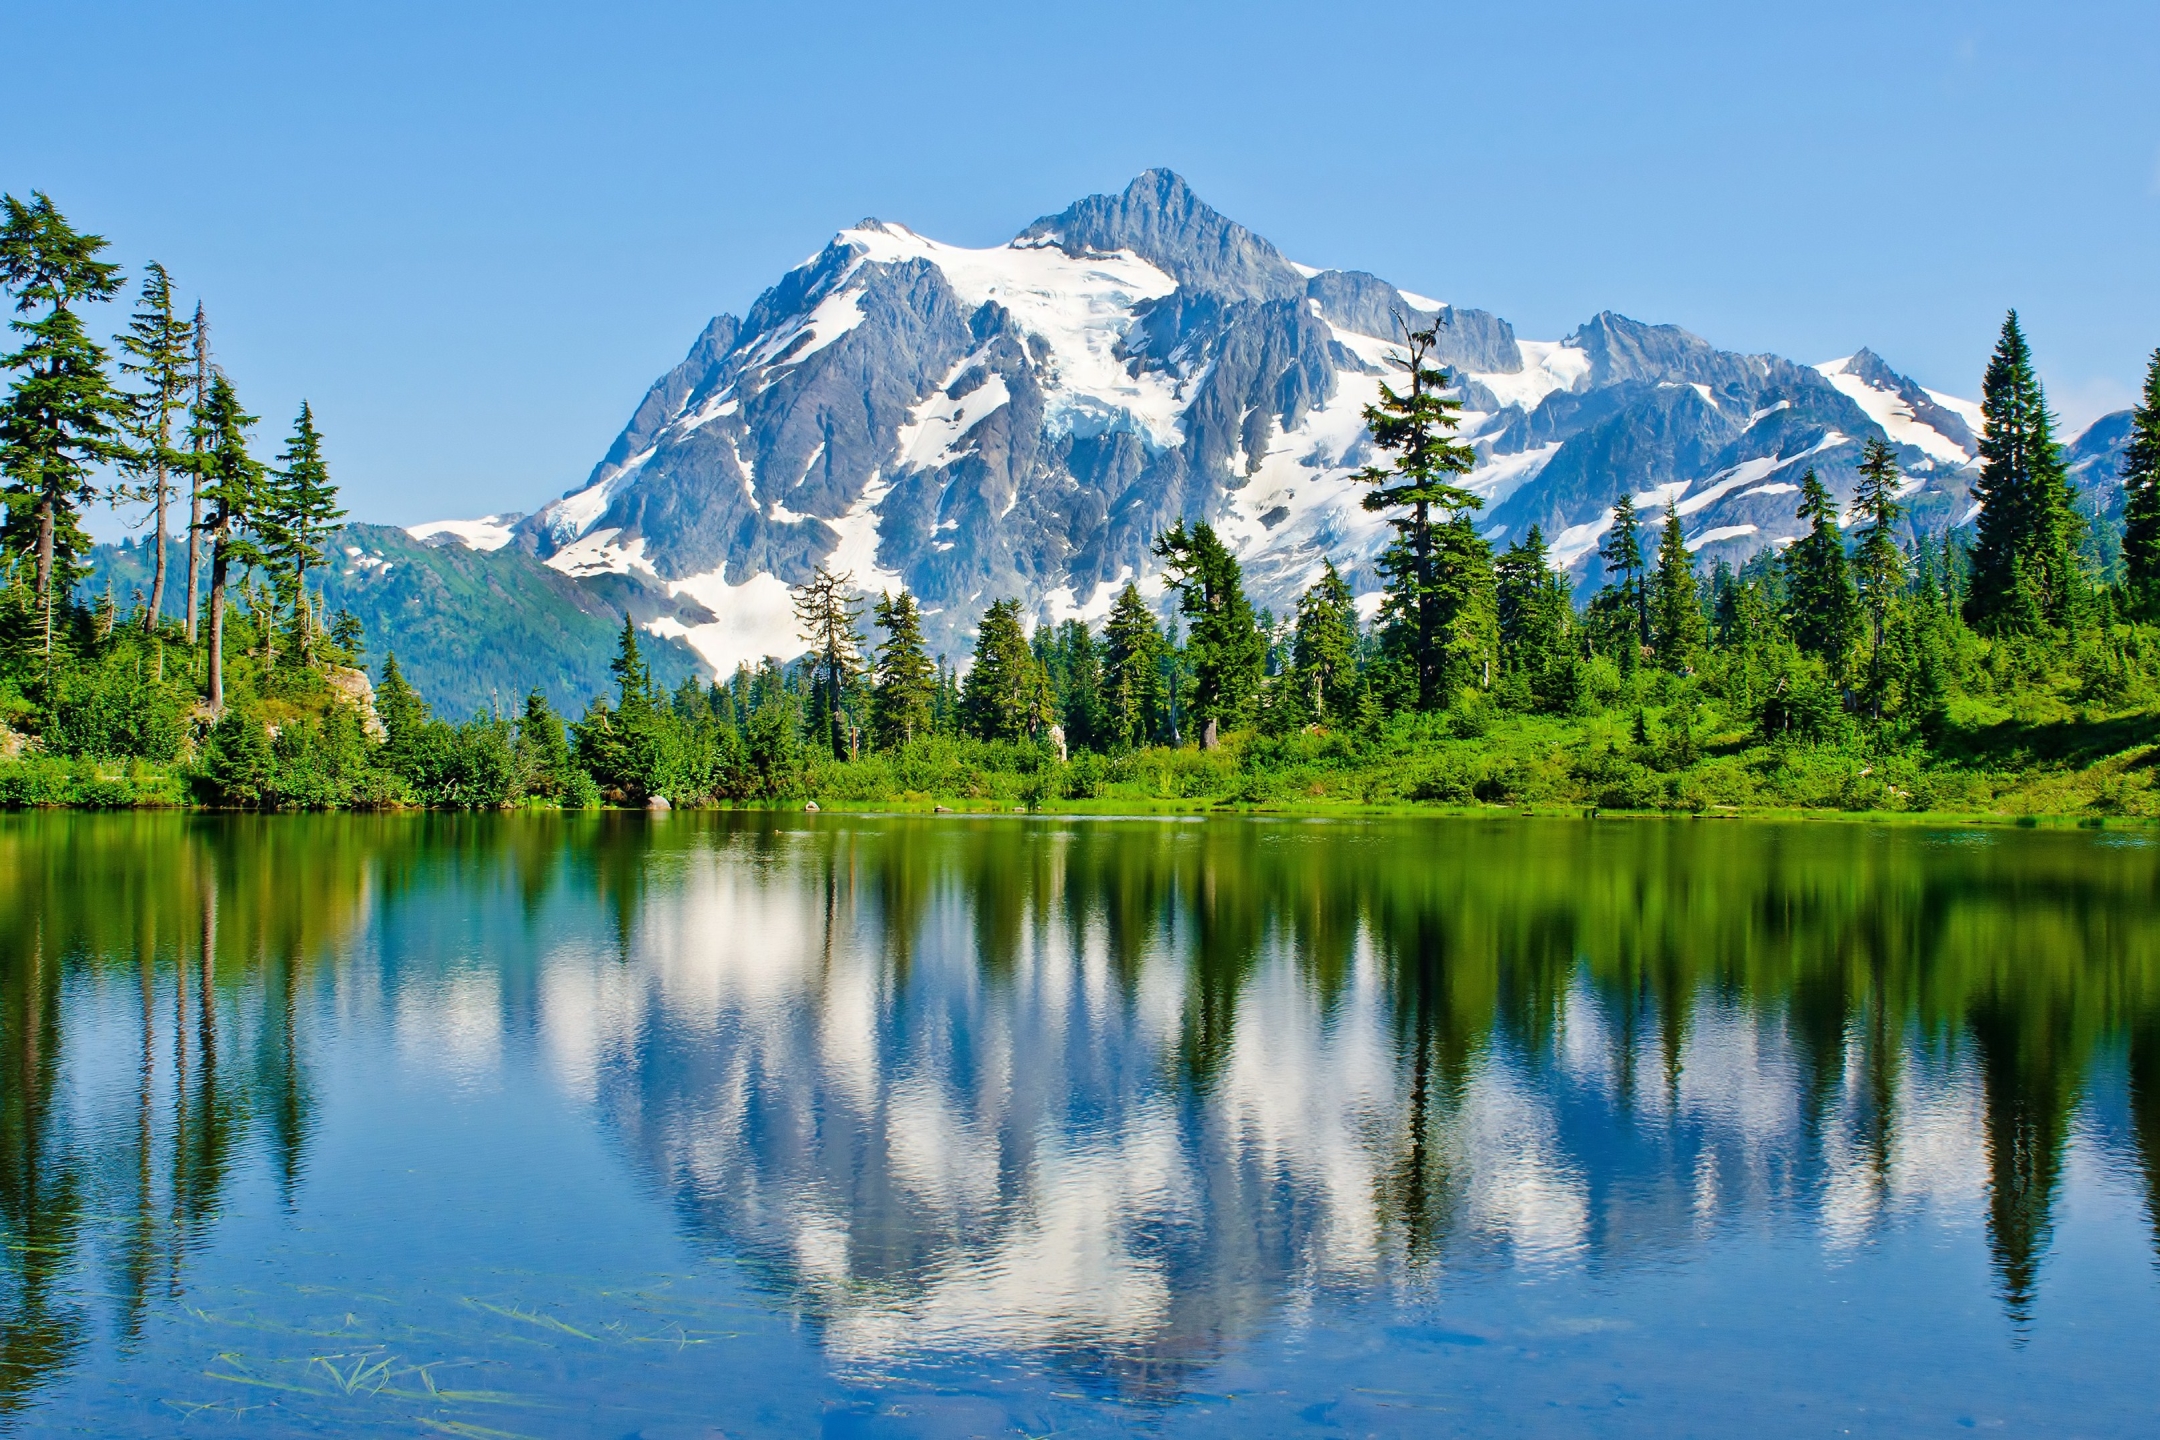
x: 1118, y: 1095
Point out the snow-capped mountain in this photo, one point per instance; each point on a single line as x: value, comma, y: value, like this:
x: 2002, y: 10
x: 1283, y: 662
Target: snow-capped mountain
x: 1022, y: 420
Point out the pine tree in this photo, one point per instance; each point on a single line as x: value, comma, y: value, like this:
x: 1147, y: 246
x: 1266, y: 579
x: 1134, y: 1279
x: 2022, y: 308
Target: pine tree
x: 1324, y: 648
x: 2024, y: 562
x: 1417, y: 427
x: 198, y: 463
x: 1677, y: 614
x: 157, y: 345
x: 1075, y: 671
x: 633, y: 679
x: 1006, y: 696
x: 402, y: 712
x: 300, y: 511
x: 1531, y: 602
x: 1229, y: 654
x: 826, y: 616
x: 1822, y: 611
x: 232, y: 485
x: 1132, y: 672
x: 1879, y: 565
x: 1622, y: 553
x: 58, y: 420
x: 901, y: 706
x: 2141, y: 502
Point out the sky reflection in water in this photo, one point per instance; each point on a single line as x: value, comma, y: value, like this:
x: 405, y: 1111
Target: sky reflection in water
x: 779, y: 1125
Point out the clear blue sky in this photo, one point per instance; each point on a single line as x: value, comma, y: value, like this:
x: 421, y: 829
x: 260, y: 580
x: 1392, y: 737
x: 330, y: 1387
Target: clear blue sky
x: 472, y: 234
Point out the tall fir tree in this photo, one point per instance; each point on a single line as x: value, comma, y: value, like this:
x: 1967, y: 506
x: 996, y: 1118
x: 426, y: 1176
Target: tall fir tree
x: 1532, y: 606
x: 300, y: 509
x: 2141, y: 502
x: 1879, y: 563
x: 1822, y: 611
x: 2024, y: 560
x: 59, y: 419
x: 1426, y: 587
x: 1622, y: 553
x: 1229, y: 654
x: 1324, y: 648
x: 901, y: 706
x: 1073, y: 665
x: 1006, y: 696
x: 402, y: 712
x: 156, y: 348
x: 1132, y: 672
x: 198, y: 466
x: 232, y: 486
x: 1678, y: 628
x: 826, y: 615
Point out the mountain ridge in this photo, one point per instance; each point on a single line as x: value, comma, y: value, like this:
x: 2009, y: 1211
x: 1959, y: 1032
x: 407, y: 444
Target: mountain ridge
x: 1020, y: 420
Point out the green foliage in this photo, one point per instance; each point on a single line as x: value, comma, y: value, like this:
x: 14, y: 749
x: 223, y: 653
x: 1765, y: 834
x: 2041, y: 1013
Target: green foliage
x: 60, y: 416
x: 1227, y: 650
x: 2025, y: 571
x: 1134, y: 703
x: 1677, y: 627
x: 905, y: 700
x: 2141, y: 502
x: 1007, y: 696
x: 1822, y: 610
x: 1437, y: 567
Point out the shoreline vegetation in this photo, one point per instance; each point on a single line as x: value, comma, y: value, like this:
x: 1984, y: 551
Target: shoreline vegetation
x: 2007, y: 670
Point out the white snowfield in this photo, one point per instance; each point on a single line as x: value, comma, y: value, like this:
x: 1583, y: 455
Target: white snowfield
x: 489, y: 532
x: 1889, y: 410
x: 1299, y: 504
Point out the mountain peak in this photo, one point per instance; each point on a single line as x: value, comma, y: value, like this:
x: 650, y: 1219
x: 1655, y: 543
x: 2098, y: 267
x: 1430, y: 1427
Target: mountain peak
x: 1159, y: 218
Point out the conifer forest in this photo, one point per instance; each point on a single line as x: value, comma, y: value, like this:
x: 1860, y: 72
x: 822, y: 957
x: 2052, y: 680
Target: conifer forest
x: 2006, y: 666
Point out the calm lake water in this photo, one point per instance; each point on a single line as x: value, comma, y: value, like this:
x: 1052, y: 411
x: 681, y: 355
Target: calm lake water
x: 708, y: 1125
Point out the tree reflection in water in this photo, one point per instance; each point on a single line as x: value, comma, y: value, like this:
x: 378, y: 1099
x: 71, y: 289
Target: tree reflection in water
x: 1116, y: 1094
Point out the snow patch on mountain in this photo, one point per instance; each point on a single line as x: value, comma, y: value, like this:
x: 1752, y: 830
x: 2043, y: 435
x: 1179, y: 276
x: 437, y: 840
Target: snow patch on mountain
x: 1548, y: 366
x: 1080, y: 308
x: 752, y: 621
x: 489, y: 532
x: 1895, y: 414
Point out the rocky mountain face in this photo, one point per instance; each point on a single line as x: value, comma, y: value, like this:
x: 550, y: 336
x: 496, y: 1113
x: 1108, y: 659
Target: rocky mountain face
x: 1022, y: 420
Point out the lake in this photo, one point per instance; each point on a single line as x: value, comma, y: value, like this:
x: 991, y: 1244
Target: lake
x: 752, y: 1124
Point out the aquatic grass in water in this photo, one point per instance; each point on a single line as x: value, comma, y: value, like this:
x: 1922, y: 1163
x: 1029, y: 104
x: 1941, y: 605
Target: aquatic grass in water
x: 769, y: 1124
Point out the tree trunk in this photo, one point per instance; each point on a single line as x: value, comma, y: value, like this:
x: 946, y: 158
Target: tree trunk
x: 194, y: 540
x: 44, y: 570
x: 157, y: 565
x: 217, y: 628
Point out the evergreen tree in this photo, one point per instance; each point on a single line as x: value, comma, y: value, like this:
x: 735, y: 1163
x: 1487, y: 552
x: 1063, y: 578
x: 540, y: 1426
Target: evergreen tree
x: 1324, y: 648
x: 633, y: 678
x: 1879, y: 564
x: 901, y: 706
x: 402, y: 712
x: 58, y: 420
x: 1073, y: 667
x: 543, y: 750
x: 1006, y: 697
x: 1229, y: 654
x: 232, y: 489
x: 1623, y: 554
x: 2141, y: 502
x: 1677, y: 614
x: 1132, y: 672
x: 157, y: 347
x: 198, y: 463
x: 1425, y: 584
x: 826, y: 616
x: 300, y: 510
x: 1822, y: 612
x: 1532, y: 606
x: 2024, y: 562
